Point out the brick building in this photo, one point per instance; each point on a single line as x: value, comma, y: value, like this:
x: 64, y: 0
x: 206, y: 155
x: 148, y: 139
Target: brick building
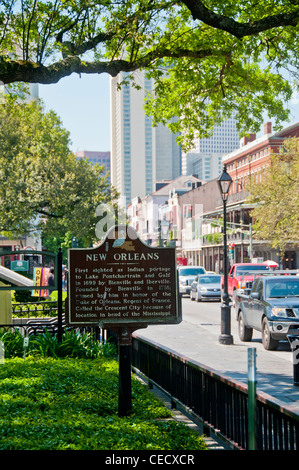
x: 251, y: 159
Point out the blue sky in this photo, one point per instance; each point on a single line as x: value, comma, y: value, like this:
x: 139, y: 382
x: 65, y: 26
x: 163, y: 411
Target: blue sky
x: 83, y: 105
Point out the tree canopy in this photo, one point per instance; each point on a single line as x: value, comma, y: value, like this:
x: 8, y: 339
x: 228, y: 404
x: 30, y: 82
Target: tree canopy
x: 42, y: 185
x: 276, y: 198
x: 210, y: 58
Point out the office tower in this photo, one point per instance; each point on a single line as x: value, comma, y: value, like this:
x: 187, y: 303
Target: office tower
x: 205, y: 159
x: 140, y: 154
x: 101, y: 158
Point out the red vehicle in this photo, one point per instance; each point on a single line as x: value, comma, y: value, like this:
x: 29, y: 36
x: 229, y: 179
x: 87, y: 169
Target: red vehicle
x: 240, y: 277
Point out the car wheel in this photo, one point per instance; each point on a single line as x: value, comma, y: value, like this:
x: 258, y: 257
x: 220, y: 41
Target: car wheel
x: 268, y: 342
x: 198, y: 299
x: 191, y: 295
x: 245, y: 333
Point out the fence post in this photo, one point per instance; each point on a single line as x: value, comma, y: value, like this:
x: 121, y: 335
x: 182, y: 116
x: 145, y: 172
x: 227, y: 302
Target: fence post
x: 59, y: 293
x: 251, y: 399
x: 294, y: 343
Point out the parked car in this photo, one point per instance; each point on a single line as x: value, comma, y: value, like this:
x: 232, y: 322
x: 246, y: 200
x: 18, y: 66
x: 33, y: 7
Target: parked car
x: 241, y: 276
x: 271, y: 307
x: 187, y: 275
x: 206, y: 287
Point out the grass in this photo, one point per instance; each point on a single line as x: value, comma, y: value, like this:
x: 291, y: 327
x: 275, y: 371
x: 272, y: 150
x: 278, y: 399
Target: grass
x: 72, y: 404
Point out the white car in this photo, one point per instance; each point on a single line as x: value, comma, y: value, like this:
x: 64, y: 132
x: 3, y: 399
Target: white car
x: 187, y: 274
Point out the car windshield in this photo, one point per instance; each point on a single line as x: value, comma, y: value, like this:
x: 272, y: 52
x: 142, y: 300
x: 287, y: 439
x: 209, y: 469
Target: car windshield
x: 191, y: 271
x: 282, y: 288
x: 209, y: 280
x: 241, y: 269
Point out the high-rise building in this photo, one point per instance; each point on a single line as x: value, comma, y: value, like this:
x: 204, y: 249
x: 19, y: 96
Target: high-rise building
x: 140, y: 154
x: 101, y: 158
x: 205, y: 159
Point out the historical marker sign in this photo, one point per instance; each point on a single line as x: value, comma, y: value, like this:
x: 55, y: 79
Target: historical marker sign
x: 123, y: 281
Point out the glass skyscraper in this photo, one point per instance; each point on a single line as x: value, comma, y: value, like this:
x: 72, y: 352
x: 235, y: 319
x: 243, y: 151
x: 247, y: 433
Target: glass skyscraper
x: 140, y: 154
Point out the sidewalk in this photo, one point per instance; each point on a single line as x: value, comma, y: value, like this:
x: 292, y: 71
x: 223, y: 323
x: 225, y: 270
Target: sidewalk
x: 274, y: 369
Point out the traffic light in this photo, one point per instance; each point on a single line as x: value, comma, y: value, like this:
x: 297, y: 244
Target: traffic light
x: 231, y: 250
x: 187, y: 211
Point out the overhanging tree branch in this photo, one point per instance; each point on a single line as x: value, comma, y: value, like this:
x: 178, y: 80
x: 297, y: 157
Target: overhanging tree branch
x: 19, y: 70
x: 218, y: 59
x: 200, y: 12
x: 71, y: 35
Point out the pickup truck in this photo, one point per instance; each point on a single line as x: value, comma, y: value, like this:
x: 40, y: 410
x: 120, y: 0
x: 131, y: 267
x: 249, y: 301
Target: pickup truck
x: 271, y: 307
x: 240, y: 276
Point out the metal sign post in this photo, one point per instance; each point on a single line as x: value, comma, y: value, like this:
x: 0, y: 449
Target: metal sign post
x: 59, y: 296
x: 124, y: 334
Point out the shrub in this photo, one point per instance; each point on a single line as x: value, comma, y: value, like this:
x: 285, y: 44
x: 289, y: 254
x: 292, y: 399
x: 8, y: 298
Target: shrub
x: 73, y: 344
x: 24, y: 296
x: 13, y: 343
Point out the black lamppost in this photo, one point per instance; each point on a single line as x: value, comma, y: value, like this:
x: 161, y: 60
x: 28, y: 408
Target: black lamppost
x: 224, y: 182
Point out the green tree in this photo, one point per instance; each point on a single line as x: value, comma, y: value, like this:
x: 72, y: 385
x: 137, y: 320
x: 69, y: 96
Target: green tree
x: 276, y: 198
x: 42, y: 185
x: 209, y: 58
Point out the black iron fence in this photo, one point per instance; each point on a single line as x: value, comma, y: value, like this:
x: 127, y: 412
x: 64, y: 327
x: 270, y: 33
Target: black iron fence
x: 220, y: 404
x: 17, y: 286
x: 34, y: 326
x: 36, y: 309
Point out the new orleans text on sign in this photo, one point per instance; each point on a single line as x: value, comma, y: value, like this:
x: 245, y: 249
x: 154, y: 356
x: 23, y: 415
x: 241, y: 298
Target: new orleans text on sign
x: 123, y: 280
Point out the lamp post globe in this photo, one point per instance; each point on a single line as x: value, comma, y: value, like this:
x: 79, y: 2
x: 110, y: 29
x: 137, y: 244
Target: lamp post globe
x: 224, y: 182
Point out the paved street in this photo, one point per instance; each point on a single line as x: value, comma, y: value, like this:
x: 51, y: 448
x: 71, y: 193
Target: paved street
x: 197, y: 338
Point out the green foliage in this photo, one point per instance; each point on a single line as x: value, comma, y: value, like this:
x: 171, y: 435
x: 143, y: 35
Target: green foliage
x: 73, y: 344
x: 28, y: 306
x: 13, y: 343
x: 42, y: 185
x: 200, y: 97
x: 209, y: 59
x: 23, y: 296
x: 72, y: 404
x: 54, y: 242
x: 54, y: 295
x: 215, y: 238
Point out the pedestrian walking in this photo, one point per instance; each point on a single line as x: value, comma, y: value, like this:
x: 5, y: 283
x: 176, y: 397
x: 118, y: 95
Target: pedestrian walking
x: 51, y: 282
